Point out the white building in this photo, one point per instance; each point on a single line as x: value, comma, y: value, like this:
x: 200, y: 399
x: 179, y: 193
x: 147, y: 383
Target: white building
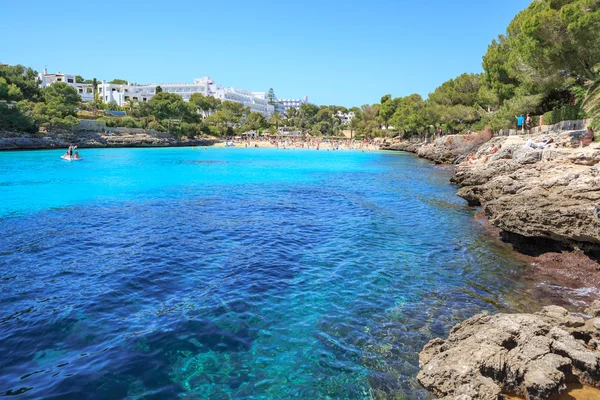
x: 296, y: 103
x: 85, y: 90
x: 345, y: 117
x: 121, y: 94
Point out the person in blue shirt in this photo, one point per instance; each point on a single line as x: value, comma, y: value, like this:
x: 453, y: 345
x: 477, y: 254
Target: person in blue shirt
x: 520, y: 120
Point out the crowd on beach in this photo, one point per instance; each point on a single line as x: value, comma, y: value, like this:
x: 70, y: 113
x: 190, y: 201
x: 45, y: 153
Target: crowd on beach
x: 316, y: 143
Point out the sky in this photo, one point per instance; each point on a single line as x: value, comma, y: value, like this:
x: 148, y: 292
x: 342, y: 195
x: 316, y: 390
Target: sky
x: 344, y: 53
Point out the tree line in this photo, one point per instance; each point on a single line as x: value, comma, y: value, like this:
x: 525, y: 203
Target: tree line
x: 547, y: 63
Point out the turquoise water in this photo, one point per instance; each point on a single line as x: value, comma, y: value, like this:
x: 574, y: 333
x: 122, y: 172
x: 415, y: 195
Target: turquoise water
x: 234, y: 273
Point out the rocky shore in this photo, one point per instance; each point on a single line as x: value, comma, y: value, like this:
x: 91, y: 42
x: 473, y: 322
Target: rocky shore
x: 545, y: 201
x: 18, y: 141
x: 533, y: 356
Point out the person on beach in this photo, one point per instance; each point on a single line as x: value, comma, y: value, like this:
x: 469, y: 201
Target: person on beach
x: 520, y: 120
x: 587, y: 139
x: 528, y: 122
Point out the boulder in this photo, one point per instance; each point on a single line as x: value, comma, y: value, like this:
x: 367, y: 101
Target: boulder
x: 532, y: 355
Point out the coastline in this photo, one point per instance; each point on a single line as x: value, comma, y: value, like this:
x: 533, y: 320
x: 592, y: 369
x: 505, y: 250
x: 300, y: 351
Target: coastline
x: 540, y: 202
x: 50, y: 141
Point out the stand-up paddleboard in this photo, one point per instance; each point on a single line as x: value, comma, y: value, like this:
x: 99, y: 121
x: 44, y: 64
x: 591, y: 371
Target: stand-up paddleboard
x: 70, y: 158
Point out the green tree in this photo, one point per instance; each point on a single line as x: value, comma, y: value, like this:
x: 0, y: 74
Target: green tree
x: 205, y: 105
x: 387, y: 109
x: 25, y: 79
x: 411, y: 116
x: 118, y: 82
x: 58, y: 110
x: 79, y: 79
x: 113, y: 106
x: 158, y: 89
x: 255, y: 121
x: 168, y: 106
x: 275, y: 119
x: 95, y: 88
x: 271, y: 96
x: 10, y: 92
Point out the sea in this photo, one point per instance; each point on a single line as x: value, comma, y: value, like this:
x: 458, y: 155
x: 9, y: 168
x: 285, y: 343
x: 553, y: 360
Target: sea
x: 232, y: 273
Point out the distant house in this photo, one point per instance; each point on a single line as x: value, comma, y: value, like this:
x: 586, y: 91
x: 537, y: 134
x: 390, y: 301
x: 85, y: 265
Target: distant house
x: 345, y: 117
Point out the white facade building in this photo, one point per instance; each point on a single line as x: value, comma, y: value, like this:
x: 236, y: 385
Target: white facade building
x: 345, y: 117
x: 121, y: 94
x: 85, y: 90
x: 296, y: 103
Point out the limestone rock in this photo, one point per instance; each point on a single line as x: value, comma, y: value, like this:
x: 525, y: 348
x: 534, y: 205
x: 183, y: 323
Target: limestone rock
x: 533, y: 355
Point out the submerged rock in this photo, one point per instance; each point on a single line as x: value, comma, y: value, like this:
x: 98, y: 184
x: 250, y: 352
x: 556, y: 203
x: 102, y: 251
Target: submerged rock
x: 530, y: 355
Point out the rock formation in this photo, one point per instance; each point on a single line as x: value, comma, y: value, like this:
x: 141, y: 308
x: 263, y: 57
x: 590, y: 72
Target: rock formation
x: 530, y: 355
x: 9, y: 141
x: 542, y: 198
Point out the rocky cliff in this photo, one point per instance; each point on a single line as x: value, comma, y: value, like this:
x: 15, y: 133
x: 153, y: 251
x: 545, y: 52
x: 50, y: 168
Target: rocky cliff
x: 543, y: 199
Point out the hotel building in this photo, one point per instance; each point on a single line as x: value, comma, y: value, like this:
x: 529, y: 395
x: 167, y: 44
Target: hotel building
x: 121, y: 94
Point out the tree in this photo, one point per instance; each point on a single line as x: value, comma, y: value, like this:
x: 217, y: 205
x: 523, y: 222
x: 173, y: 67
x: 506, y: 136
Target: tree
x: 275, y: 119
x: 271, y: 96
x: 158, y: 89
x: 255, y: 121
x: 10, y: 92
x: 233, y: 112
x: 411, y: 115
x: 25, y: 79
x: 290, y: 114
x: 17, y: 118
x: 205, y: 105
x: 95, y: 88
x: 58, y: 110
x: 118, y: 82
x: 130, y: 106
x: 113, y: 106
x: 168, y: 106
x: 387, y: 109
x: 79, y: 79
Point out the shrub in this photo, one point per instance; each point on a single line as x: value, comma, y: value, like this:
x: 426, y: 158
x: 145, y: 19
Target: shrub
x: 564, y: 113
x: 129, y: 122
x: 156, y: 126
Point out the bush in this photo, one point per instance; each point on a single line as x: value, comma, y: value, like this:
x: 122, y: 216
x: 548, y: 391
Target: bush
x: 564, y: 113
x: 595, y: 126
x: 156, y: 126
x: 128, y: 122
x: 110, y: 123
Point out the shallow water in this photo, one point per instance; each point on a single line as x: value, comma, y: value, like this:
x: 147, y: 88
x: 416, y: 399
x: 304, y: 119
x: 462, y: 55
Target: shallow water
x: 234, y: 273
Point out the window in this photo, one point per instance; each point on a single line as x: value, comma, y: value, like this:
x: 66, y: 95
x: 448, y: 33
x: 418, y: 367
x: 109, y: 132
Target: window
x: 89, y: 90
x: 70, y: 80
x: 126, y: 98
x: 58, y: 79
x: 135, y: 98
x: 80, y: 90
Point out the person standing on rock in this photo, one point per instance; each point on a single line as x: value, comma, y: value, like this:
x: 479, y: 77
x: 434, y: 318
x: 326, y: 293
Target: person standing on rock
x: 528, y: 123
x: 520, y: 120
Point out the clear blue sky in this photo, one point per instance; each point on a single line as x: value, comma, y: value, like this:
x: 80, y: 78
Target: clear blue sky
x: 346, y: 53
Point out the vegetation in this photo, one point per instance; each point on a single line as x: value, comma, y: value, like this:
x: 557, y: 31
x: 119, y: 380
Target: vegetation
x: 547, y: 63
